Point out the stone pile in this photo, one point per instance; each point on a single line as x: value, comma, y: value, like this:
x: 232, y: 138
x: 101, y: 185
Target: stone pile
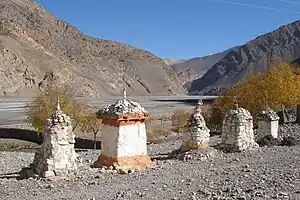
x: 56, y: 156
x: 196, y: 143
x: 237, y: 130
x: 268, y: 122
x: 198, y: 133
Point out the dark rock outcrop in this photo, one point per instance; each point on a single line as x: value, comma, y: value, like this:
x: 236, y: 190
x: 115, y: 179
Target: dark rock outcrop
x: 250, y: 58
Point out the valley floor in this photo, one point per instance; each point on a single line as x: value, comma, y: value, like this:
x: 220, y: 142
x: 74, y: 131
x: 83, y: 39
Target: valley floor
x: 264, y: 173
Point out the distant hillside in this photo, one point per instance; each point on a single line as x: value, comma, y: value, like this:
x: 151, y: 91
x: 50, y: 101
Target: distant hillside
x: 38, y: 49
x: 173, y: 61
x: 195, y: 68
x: 250, y: 58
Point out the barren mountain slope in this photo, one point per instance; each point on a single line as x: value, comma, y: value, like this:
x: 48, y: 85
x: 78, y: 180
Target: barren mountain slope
x: 250, y: 58
x: 194, y: 68
x: 36, y: 49
x: 173, y: 61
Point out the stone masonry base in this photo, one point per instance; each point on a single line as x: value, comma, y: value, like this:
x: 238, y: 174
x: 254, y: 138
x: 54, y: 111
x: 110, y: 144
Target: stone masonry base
x: 189, y: 145
x: 128, y: 162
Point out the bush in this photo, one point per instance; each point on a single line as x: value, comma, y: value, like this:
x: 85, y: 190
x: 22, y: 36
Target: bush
x: 179, y: 120
x: 45, y: 103
x: 91, y: 124
x: 213, y: 117
x: 157, y: 134
x: 279, y: 86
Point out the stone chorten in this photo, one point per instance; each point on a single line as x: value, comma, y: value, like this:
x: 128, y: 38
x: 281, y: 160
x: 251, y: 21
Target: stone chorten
x: 57, y: 156
x: 237, y: 130
x: 198, y: 136
x: 268, y: 122
x: 124, y: 145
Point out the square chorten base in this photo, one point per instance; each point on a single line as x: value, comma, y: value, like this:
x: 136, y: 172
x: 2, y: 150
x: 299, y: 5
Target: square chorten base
x: 138, y: 162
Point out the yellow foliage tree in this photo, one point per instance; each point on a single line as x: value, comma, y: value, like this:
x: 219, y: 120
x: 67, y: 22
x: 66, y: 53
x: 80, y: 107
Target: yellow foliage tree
x: 281, y: 86
x: 45, y: 102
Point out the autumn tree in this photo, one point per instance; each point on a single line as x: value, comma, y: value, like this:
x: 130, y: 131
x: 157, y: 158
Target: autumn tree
x: 44, y: 105
x: 280, y: 84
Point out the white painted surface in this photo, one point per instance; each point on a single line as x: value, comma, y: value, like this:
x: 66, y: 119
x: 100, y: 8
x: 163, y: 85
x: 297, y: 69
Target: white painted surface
x: 129, y: 140
x: 132, y: 140
x: 267, y: 128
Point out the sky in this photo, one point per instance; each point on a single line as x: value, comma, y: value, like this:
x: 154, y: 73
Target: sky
x: 177, y: 29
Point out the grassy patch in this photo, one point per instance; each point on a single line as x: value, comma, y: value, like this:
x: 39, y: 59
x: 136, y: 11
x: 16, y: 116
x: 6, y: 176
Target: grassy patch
x: 157, y: 134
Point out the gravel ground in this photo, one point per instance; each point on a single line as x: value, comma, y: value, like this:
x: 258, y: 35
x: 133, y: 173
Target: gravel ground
x: 263, y: 173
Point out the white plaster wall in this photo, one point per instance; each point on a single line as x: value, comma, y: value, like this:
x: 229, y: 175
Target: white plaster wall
x: 132, y: 140
x: 267, y: 128
x: 109, y: 141
x: 129, y: 140
x: 274, y: 128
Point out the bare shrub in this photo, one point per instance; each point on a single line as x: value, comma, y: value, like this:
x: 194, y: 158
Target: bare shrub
x: 91, y: 124
x: 157, y: 134
x: 179, y: 120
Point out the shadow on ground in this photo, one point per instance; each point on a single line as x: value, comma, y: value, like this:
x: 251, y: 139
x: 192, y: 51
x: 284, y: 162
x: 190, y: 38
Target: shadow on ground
x: 34, y: 137
x: 14, y: 175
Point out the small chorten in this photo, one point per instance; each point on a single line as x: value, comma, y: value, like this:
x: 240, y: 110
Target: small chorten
x: 237, y: 129
x: 198, y: 132
x: 124, y: 144
x: 268, y: 122
x: 56, y: 156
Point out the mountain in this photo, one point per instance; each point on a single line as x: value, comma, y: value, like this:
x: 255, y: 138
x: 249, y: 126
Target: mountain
x: 37, y: 49
x: 250, y: 58
x: 173, y: 61
x: 195, y: 68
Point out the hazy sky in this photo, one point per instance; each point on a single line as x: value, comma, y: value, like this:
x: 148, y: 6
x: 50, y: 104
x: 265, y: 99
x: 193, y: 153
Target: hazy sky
x: 176, y: 28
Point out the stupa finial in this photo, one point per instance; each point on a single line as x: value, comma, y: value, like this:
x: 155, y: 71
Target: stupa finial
x: 266, y: 101
x: 124, y: 93
x: 200, y: 102
x: 198, y: 105
x: 57, y: 104
x: 235, y: 102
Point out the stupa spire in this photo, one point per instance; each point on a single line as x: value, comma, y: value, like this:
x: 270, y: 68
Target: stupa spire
x: 57, y: 104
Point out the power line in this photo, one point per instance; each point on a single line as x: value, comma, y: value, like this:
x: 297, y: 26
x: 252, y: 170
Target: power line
x: 290, y: 2
x: 255, y: 6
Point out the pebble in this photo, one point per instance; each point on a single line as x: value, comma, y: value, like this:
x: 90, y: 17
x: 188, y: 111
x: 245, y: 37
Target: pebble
x: 50, y: 186
x: 258, y: 175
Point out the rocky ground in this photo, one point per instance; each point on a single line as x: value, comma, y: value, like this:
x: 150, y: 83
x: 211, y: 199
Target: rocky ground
x: 264, y: 173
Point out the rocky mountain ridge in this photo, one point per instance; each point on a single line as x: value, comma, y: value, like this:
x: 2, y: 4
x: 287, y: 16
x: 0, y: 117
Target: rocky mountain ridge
x: 171, y: 62
x: 195, y: 68
x: 38, y: 49
x: 250, y: 58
